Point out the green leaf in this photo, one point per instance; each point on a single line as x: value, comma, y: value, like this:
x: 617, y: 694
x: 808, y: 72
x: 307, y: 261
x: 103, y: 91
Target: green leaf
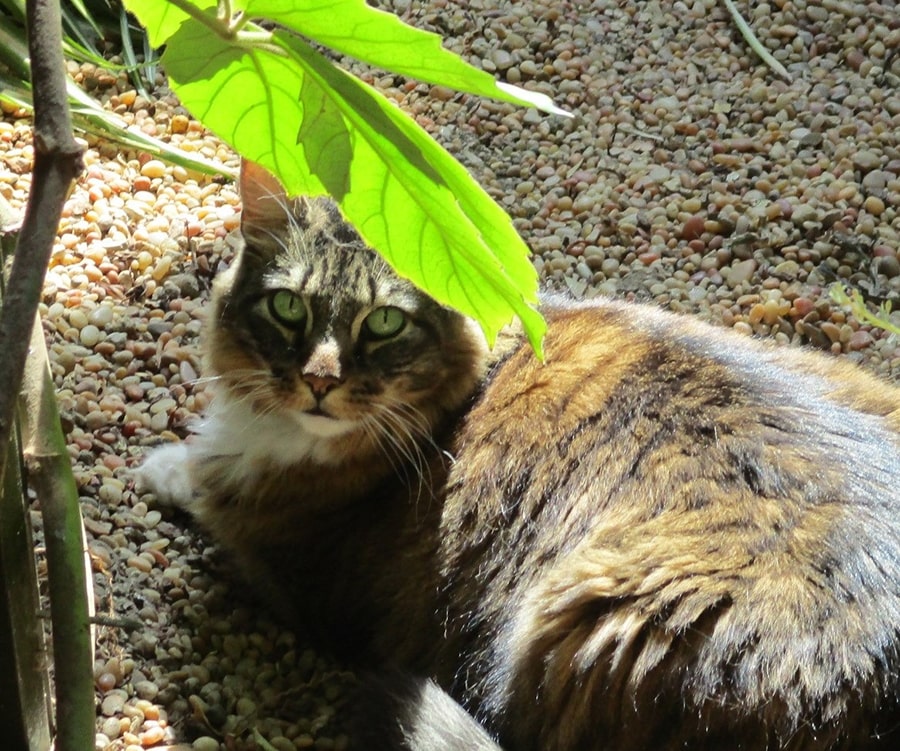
x: 381, y: 39
x: 162, y: 18
x: 321, y: 130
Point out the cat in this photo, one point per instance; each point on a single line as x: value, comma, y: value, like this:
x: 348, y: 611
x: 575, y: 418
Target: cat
x: 665, y: 536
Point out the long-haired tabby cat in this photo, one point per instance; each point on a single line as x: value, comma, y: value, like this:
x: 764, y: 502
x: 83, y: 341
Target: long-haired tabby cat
x: 666, y: 536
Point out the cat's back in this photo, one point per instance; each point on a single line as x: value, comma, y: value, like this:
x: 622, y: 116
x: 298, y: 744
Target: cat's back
x: 679, y: 523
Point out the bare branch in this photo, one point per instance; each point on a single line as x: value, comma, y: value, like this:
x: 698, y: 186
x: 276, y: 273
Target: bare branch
x: 57, y: 161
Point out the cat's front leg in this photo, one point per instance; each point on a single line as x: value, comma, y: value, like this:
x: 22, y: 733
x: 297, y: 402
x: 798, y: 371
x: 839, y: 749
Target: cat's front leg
x: 167, y: 472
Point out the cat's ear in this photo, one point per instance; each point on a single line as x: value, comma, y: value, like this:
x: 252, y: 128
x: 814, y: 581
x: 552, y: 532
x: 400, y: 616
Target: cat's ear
x: 265, y: 203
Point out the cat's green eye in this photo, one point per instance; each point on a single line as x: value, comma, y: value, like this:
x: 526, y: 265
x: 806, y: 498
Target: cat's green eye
x: 383, y: 323
x: 287, y: 308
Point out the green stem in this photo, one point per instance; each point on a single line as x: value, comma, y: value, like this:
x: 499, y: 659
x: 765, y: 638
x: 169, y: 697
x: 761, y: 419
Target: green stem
x: 50, y: 474
x: 230, y: 28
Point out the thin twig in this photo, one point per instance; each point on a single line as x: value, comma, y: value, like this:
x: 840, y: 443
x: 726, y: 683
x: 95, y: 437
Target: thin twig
x: 754, y: 43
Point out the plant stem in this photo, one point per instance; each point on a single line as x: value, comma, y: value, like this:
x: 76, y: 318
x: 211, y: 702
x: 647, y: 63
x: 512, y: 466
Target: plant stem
x: 227, y: 26
x: 57, y: 161
x: 754, y: 43
x: 219, y: 24
x: 50, y: 474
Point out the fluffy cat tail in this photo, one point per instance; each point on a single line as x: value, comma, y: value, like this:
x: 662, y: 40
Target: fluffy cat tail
x: 406, y: 713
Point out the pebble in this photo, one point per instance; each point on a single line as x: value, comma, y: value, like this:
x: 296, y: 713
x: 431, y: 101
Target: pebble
x: 154, y: 168
x: 866, y: 160
x: 113, y: 703
x: 90, y: 335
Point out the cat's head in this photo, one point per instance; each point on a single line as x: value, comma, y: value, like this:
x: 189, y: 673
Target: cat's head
x: 312, y: 325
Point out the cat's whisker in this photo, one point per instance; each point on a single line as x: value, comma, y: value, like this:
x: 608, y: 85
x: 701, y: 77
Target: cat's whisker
x: 202, y: 380
x: 414, y: 421
x: 407, y: 431
x: 381, y: 438
x: 402, y: 459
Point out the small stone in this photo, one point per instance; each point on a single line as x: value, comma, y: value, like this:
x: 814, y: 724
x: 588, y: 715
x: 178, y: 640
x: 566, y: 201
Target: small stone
x: 874, y: 205
x: 693, y: 228
x: 803, y: 306
x: 205, y: 743
x: 151, y: 736
x: 609, y: 266
x: 831, y: 330
x: 146, y: 689
x: 502, y: 59
x: 515, y: 41
x: 78, y: 318
x: 113, y: 703
x: 101, y: 316
x: 106, y: 681
x: 787, y: 269
x: 157, y: 327
x: 740, y: 272
x: 866, y: 160
x: 140, y: 563
x: 803, y: 213
x: 90, y: 335
x: 187, y: 284
x: 179, y: 124
x: 859, y: 340
x: 111, y: 728
x: 153, y: 168
x: 888, y: 265
x: 876, y: 180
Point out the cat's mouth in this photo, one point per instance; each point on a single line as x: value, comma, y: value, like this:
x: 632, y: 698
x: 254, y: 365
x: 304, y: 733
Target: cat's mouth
x: 318, y: 422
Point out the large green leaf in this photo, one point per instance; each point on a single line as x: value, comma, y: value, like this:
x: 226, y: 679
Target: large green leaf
x: 374, y: 36
x: 280, y: 103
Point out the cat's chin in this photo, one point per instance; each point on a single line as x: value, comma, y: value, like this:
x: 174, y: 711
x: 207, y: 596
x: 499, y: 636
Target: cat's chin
x: 323, y: 426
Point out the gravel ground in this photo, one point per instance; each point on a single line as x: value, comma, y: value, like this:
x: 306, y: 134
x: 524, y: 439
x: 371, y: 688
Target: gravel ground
x: 691, y: 175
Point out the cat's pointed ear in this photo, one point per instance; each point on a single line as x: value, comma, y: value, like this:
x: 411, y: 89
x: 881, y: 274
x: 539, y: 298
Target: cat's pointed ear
x: 265, y: 203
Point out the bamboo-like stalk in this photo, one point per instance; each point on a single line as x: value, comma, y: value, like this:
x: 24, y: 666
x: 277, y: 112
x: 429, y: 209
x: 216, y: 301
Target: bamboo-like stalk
x: 25, y: 697
x: 50, y: 475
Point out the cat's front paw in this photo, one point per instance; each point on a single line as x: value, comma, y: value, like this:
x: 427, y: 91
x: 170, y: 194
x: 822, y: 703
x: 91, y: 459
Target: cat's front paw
x: 166, y: 472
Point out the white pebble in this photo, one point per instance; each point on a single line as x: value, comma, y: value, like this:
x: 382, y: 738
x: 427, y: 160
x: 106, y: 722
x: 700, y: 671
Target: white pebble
x: 205, y: 743
x: 78, y: 318
x: 101, y: 316
x: 90, y: 335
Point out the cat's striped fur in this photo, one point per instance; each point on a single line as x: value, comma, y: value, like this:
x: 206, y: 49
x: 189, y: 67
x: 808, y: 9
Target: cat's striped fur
x: 666, y: 536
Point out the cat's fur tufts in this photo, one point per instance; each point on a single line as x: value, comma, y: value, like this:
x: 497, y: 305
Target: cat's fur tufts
x: 665, y: 536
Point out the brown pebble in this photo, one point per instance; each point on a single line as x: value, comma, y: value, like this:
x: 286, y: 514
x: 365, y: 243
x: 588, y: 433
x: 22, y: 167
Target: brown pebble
x: 693, y: 228
x: 802, y: 306
x: 106, y: 682
x: 859, y: 340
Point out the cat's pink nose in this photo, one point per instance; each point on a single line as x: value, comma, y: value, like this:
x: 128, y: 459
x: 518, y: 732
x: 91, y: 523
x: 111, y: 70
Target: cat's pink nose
x: 320, y: 384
